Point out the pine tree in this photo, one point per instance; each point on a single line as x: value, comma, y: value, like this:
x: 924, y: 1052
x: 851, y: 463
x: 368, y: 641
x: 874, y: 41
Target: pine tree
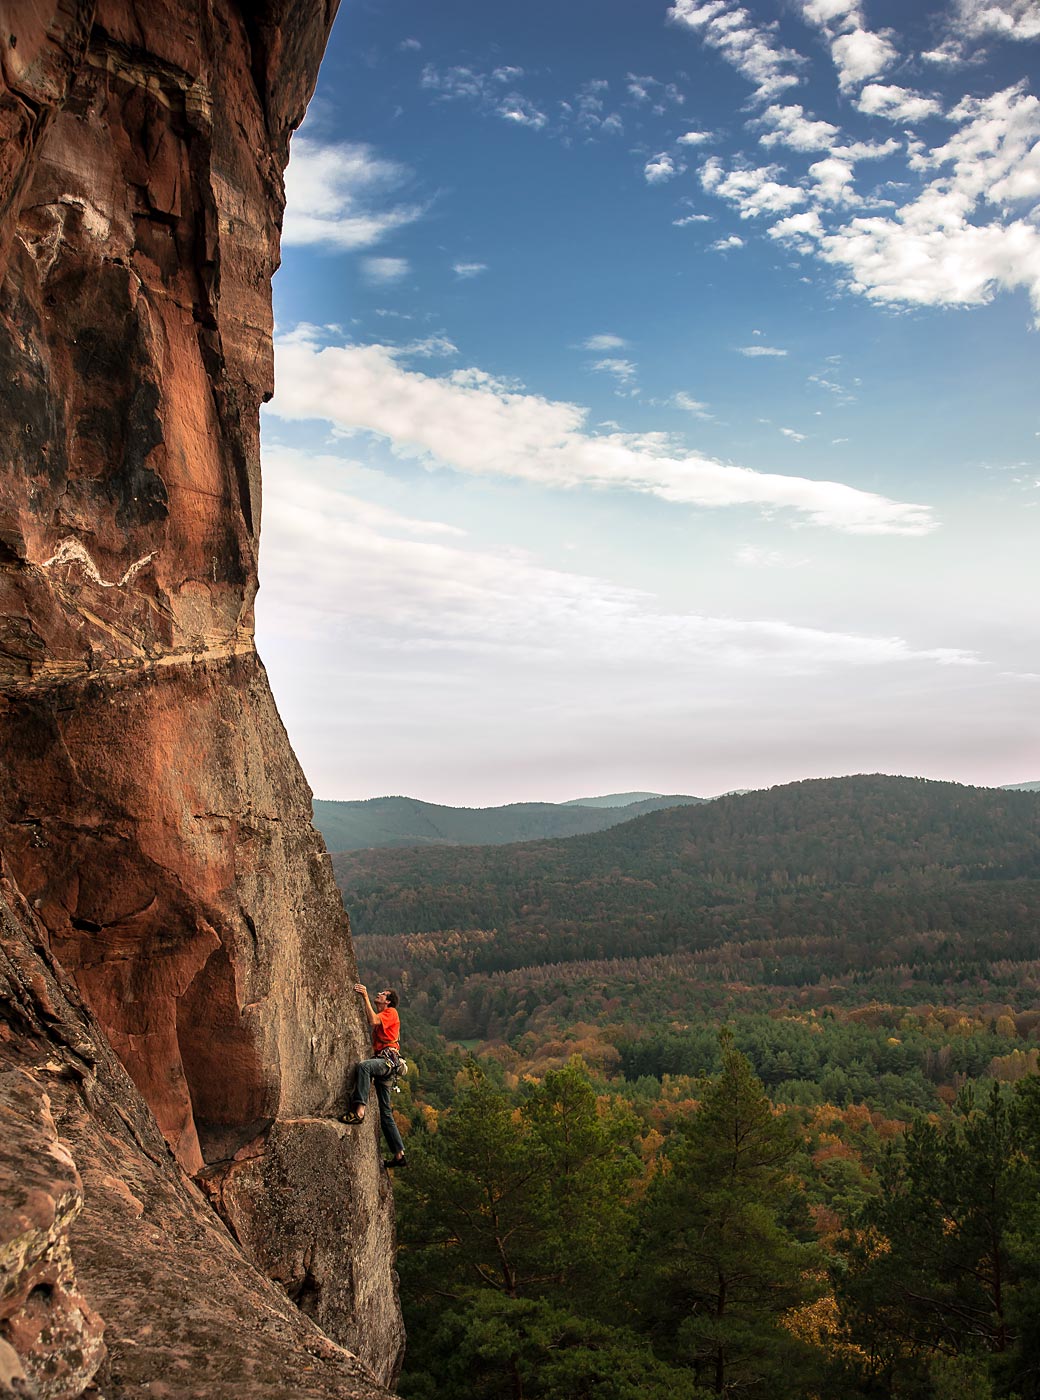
x: 718, y: 1269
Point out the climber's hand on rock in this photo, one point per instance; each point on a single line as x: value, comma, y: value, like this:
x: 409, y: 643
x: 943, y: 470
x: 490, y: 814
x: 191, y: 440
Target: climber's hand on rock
x: 361, y: 989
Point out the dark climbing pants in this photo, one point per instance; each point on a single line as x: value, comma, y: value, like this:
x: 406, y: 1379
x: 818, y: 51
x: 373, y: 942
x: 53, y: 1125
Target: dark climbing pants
x: 378, y: 1072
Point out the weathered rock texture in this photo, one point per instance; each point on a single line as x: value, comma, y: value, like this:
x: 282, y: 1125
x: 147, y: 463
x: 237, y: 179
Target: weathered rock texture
x: 183, y: 1312
x: 151, y: 811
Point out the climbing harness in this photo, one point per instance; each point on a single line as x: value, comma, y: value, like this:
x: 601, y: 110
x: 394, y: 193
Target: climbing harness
x: 398, y: 1066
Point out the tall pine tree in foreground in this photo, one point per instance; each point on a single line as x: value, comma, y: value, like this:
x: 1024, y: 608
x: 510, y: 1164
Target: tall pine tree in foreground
x: 718, y: 1268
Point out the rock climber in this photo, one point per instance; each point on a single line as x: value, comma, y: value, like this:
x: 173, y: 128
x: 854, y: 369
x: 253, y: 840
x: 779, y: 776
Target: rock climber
x: 385, y: 1024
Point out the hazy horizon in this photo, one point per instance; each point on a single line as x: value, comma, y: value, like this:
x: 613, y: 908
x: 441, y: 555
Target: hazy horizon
x: 672, y: 792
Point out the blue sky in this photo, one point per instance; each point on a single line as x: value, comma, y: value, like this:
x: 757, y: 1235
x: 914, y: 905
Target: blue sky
x: 657, y: 400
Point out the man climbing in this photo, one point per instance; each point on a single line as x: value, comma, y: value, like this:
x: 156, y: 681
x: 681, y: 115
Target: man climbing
x: 380, y: 1070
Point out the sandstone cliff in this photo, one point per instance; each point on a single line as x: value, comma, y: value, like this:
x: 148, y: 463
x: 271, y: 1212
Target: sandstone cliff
x: 152, y: 814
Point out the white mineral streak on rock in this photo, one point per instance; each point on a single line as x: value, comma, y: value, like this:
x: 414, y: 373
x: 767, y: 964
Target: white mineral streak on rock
x: 72, y: 551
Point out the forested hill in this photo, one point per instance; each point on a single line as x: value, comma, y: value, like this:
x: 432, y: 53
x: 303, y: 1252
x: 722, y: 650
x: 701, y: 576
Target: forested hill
x: 869, y: 858
x: 405, y: 821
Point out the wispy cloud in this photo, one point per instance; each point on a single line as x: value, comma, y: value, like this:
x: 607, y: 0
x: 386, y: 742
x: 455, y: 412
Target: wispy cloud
x: 754, y: 352
x: 692, y: 405
x: 658, y: 95
x: 384, y: 271
x: 418, y: 586
x: 517, y: 109
x: 339, y: 195
x: 588, y: 109
x: 604, y: 342
x: 487, y: 90
x: 464, y: 270
x: 723, y: 245
x: 431, y: 346
x: 474, y: 424
x: 794, y: 435
x: 624, y: 371
x: 753, y: 49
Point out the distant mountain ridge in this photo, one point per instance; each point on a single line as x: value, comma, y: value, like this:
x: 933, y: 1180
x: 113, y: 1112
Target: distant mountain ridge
x: 612, y: 799
x: 382, y: 822
x: 874, y: 855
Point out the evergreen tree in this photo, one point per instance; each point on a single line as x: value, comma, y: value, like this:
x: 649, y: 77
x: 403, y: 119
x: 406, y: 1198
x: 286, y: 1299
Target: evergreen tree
x: 717, y: 1268
x: 512, y: 1225
x: 944, y: 1260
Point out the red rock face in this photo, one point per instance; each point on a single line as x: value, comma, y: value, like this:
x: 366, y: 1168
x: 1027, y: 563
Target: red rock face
x: 115, y: 1275
x: 153, y: 813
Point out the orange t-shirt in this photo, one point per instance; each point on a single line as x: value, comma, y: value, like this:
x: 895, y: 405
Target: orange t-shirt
x: 386, y: 1033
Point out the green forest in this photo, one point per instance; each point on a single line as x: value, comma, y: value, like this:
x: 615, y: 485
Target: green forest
x: 735, y: 1099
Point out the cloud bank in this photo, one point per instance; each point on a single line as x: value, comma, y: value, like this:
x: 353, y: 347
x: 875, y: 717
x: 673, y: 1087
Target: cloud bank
x: 475, y: 424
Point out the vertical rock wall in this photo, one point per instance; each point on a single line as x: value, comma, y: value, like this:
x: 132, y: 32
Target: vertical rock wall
x: 152, y: 812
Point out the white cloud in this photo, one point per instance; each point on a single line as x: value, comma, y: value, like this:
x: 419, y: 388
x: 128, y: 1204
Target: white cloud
x: 973, y: 21
x: 801, y: 230
x: 521, y: 112
x: 588, y: 109
x: 652, y: 90
x: 474, y: 424
x: 696, y: 138
x: 751, y: 48
x: 858, y: 53
x: 383, y: 271
x: 789, y: 126
x: 454, y: 83
x: 867, y: 150
x: 833, y: 181
x: 821, y: 381
x: 485, y: 89
x: 332, y: 561
x: 604, y: 342
x: 793, y: 435
x: 624, y: 371
x: 468, y: 269
x: 662, y: 167
x: 753, y: 191
x: 692, y: 219
x: 432, y: 346
x: 755, y: 352
x: 691, y: 405
x: 409, y: 44
x: 723, y: 245
x: 334, y: 193
x: 898, y: 104
x: 934, y: 251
